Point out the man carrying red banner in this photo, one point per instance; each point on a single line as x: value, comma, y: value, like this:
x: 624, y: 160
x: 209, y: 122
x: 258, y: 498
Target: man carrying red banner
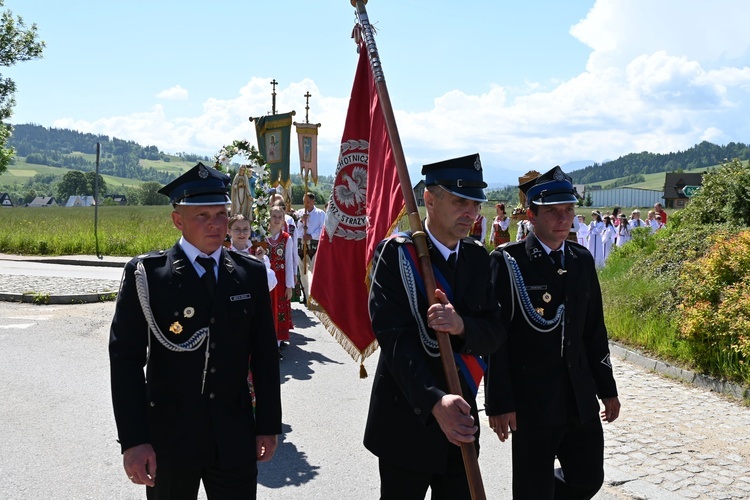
x: 414, y: 426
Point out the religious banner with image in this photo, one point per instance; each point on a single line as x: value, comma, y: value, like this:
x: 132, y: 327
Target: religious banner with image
x: 273, y: 133
x: 307, y: 139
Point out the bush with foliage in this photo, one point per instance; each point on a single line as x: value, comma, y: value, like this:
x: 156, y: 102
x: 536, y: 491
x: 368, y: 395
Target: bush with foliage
x: 723, y: 198
x: 683, y: 292
x: 716, y: 303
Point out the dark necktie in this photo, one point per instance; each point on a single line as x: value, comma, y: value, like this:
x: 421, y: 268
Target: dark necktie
x: 452, y: 260
x: 557, y: 259
x: 209, y: 278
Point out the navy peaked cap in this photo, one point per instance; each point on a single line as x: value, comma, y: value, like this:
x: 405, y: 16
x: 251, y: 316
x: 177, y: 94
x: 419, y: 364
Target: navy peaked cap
x: 460, y: 176
x: 201, y: 185
x: 551, y: 188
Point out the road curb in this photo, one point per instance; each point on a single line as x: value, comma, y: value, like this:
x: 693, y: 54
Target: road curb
x: 90, y: 263
x: 703, y: 381
x: 49, y: 299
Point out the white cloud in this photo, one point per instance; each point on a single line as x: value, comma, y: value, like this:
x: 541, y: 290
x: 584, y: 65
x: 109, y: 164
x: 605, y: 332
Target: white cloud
x: 176, y: 93
x: 661, y: 77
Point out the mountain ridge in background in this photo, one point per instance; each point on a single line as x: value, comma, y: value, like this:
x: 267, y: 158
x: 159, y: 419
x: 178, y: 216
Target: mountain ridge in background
x: 75, y: 150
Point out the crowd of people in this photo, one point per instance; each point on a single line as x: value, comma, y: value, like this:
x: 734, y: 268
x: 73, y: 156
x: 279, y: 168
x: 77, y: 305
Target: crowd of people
x: 607, y: 231
x: 288, y: 252
x: 600, y: 236
x: 208, y: 324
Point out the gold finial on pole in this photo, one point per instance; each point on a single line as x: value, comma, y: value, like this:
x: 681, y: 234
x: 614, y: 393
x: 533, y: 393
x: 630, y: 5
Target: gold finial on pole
x: 273, y: 96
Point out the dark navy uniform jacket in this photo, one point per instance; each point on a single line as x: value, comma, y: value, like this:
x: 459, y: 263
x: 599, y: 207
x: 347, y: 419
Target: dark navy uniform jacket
x: 408, y: 382
x: 534, y: 373
x: 187, y: 424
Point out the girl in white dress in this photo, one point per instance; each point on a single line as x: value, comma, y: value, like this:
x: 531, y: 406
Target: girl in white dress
x: 623, y: 231
x: 582, y: 231
x: 608, y: 236
x: 596, y: 228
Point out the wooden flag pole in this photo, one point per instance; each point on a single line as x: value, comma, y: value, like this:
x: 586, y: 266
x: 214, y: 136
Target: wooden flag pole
x: 419, y: 237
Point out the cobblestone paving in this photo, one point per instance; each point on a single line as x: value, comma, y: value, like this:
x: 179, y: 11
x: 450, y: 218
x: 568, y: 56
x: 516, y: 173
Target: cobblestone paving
x: 681, y: 439
x: 55, y: 286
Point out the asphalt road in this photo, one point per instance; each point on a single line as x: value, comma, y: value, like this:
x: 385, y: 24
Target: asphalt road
x: 57, y: 432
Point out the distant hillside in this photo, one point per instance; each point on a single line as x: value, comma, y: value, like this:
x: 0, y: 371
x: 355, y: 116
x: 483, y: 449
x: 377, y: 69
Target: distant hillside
x: 702, y: 155
x: 70, y: 149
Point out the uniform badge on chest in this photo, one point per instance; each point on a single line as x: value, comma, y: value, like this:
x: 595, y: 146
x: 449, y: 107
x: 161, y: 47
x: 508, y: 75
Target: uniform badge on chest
x: 189, y: 312
x: 175, y: 328
x: 547, y: 297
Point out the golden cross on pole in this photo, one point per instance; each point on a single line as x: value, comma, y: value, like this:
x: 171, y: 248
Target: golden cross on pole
x: 273, y: 96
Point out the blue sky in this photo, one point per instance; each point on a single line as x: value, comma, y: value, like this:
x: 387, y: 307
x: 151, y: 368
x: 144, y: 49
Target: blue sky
x: 528, y: 85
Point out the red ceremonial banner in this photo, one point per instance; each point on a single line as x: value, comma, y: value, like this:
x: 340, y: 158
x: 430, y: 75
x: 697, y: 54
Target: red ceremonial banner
x: 365, y: 206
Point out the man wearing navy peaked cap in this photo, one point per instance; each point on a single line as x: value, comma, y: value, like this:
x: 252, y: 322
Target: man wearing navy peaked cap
x: 543, y: 383
x: 414, y: 426
x: 198, y: 317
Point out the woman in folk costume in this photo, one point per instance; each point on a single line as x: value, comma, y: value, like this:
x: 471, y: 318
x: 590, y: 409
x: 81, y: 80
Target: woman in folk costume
x: 499, y: 233
x: 623, y: 231
x: 596, y: 228
x: 479, y: 228
x: 281, y: 250
x: 608, y: 237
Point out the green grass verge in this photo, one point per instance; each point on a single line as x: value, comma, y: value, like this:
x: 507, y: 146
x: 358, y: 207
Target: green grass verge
x: 122, y: 231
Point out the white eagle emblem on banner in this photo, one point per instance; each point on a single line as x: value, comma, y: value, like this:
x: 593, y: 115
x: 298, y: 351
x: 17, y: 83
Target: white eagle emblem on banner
x: 346, y: 216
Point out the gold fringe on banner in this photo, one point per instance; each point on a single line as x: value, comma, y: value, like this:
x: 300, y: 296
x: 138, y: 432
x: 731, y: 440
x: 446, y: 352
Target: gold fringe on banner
x: 342, y: 338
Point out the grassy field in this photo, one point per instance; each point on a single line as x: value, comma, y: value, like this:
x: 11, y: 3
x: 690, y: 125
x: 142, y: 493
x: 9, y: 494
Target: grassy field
x: 122, y: 231
x: 20, y: 172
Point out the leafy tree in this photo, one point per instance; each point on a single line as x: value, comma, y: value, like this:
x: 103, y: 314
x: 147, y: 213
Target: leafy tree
x: 91, y: 184
x: 74, y: 183
x: 149, y: 195
x: 17, y: 43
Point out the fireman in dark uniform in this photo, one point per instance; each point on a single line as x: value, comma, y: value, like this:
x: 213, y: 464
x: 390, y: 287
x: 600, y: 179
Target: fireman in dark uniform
x: 543, y: 383
x: 198, y: 317
x: 414, y: 426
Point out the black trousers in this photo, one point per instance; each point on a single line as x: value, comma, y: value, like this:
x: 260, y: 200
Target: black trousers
x: 578, y: 446
x: 400, y: 483
x: 220, y: 484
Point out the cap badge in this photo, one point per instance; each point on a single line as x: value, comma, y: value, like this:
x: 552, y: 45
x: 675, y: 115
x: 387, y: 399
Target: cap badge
x: 202, y: 172
x: 189, y: 312
x: 559, y: 175
x: 175, y: 328
x: 477, y: 164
